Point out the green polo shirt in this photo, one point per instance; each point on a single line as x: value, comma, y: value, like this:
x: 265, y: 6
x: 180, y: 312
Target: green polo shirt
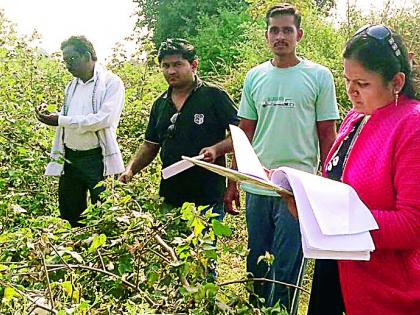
x: 287, y: 103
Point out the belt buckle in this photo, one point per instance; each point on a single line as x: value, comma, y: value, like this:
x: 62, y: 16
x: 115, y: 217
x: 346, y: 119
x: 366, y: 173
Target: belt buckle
x: 72, y: 150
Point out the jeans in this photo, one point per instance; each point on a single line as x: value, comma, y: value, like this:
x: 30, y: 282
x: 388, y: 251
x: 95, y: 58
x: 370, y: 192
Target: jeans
x: 272, y: 229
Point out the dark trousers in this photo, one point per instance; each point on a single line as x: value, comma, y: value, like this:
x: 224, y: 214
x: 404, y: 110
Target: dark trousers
x: 326, y: 298
x: 83, y: 171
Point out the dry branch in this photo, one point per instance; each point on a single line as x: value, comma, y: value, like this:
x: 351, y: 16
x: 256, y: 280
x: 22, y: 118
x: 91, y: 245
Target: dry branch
x: 110, y: 274
x: 171, y: 252
x: 47, y: 277
x: 34, y: 302
x: 264, y: 280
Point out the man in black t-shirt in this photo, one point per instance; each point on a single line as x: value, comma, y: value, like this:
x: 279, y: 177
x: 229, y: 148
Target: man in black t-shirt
x: 190, y: 118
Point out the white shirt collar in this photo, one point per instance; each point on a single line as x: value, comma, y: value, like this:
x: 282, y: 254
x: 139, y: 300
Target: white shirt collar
x: 92, y: 79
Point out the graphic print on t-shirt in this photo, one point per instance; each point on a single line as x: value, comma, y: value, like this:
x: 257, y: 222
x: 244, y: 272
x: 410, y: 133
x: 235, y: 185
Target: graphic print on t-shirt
x: 283, y: 102
x: 199, y: 119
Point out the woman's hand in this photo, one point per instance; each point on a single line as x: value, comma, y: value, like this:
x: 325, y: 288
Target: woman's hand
x: 268, y: 172
x: 291, y: 205
x: 289, y: 200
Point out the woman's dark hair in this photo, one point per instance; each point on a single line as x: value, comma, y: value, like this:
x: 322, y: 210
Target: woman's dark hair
x: 81, y: 44
x: 377, y: 55
x: 177, y: 46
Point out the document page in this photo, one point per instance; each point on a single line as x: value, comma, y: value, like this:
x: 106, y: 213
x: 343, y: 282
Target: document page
x: 246, y: 159
x: 334, y: 222
x: 179, y: 167
x: 335, y: 205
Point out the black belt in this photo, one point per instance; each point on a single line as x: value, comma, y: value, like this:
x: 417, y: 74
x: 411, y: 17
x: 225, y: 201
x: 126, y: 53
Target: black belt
x: 70, y: 153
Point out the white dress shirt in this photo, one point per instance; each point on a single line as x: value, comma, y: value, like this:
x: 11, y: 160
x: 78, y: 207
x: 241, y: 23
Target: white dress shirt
x: 89, y: 117
x: 80, y: 104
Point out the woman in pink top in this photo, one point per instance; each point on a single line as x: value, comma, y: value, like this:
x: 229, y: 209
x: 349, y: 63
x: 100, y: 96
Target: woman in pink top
x: 377, y: 152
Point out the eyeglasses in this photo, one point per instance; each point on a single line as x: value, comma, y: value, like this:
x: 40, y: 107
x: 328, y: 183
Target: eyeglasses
x: 70, y: 60
x: 382, y: 34
x: 170, y: 132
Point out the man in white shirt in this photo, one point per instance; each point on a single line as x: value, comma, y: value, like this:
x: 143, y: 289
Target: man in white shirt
x: 85, y: 138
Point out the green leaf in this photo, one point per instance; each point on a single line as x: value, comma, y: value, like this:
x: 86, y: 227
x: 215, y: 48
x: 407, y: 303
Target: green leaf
x: 152, y: 277
x: 198, y: 226
x: 220, y: 229
x: 67, y: 287
x: 83, y: 308
x: 9, y: 294
x: 211, y: 289
x: 4, y: 238
x: 51, y: 108
x: 210, y: 254
x: 125, y: 265
x: 187, y: 211
x: 97, y: 242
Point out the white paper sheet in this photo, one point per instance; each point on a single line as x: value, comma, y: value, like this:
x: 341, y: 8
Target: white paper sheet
x: 325, y: 208
x: 337, y: 255
x: 179, y: 167
x: 238, y: 176
x: 246, y: 159
x: 336, y: 206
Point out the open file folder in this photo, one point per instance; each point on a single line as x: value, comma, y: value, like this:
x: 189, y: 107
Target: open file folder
x: 334, y: 222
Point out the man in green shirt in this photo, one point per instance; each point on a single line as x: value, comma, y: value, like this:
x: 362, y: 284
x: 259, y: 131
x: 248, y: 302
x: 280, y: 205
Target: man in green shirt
x: 288, y: 110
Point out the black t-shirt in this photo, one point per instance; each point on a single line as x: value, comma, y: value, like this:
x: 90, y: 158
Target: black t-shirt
x: 335, y: 166
x: 202, y: 122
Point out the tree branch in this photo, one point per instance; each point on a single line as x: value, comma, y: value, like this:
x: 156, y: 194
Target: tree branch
x: 47, y: 276
x: 6, y: 284
x: 100, y: 257
x: 171, y: 252
x: 110, y: 274
x: 264, y: 280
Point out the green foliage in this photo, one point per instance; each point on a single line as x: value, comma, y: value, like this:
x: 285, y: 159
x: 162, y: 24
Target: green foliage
x: 28, y: 79
x: 218, y: 40
x: 133, y: 257
x: 179, y: 18
x: 403, y: 20
x: 125, y: 260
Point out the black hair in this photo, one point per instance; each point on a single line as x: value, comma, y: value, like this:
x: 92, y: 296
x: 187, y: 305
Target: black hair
x: 283, y: 9
x: 81, y: 44
x: 177, y: 46
x: 378, y: 56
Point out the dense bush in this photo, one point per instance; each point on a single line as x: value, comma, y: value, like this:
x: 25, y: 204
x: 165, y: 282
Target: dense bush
x: 130, y: 258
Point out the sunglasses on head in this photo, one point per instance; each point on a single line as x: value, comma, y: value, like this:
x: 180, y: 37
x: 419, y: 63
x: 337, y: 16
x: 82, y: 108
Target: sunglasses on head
x: 170, y: 132
x: 382, y: 34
